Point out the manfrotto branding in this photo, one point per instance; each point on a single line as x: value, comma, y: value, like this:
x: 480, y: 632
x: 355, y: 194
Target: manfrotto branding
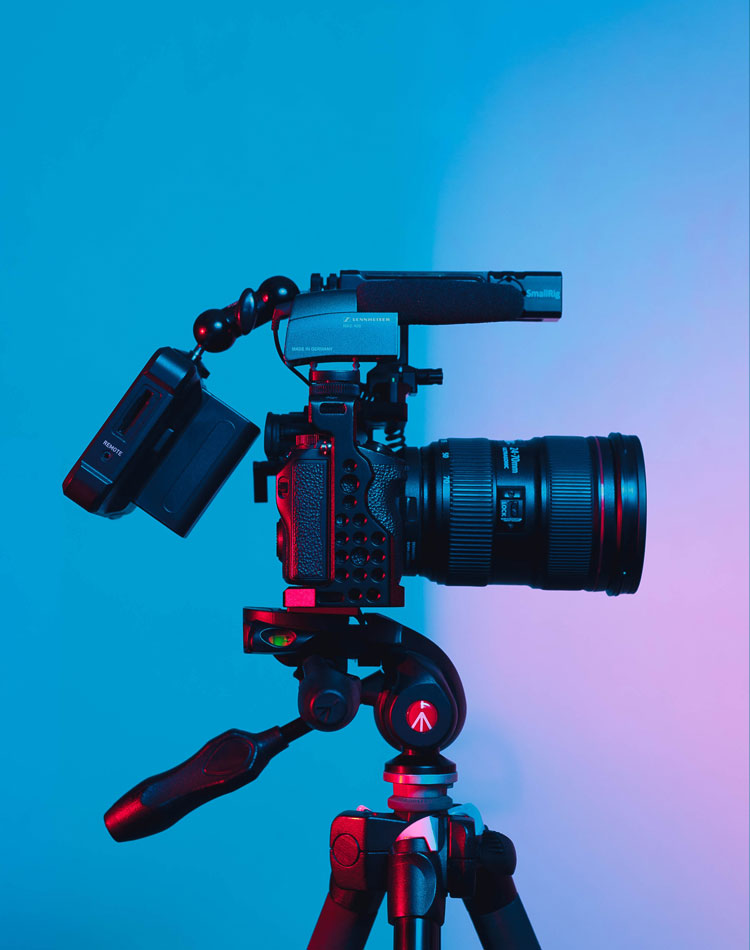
x: 554, y: 294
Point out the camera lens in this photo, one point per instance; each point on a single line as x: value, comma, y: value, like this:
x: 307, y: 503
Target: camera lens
x: 556, y: 512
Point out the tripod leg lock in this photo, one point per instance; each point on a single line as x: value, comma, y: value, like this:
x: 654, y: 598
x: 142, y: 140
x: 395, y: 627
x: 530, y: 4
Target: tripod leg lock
x: 496, y: 910
x: 497, y: 862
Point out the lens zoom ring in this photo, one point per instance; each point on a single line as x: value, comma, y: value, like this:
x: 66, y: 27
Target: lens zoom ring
x: 570, y: 509
x: 471, y: 512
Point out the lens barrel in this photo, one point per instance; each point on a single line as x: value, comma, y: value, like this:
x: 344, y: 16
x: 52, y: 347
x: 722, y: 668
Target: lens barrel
x: 556, y: 512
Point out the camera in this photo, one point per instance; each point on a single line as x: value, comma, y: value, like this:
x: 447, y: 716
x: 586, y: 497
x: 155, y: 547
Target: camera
x: 358, y: 507
x: 358, y: 510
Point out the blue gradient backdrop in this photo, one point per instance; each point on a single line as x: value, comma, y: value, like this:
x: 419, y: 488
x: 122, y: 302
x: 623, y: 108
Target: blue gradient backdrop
x: 160, y: 157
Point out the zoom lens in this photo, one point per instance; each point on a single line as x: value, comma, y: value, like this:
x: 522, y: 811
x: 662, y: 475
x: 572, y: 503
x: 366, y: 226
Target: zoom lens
x: 557, y: 512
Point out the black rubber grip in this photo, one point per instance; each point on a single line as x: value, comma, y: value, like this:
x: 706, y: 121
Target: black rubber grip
x: 223, y: 764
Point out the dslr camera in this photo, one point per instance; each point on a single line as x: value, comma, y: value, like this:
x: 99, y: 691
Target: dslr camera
x: 358, y: 507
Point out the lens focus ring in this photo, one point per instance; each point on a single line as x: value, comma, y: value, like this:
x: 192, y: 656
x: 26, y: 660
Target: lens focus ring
x: 570, y: 511
x: 471, y: 511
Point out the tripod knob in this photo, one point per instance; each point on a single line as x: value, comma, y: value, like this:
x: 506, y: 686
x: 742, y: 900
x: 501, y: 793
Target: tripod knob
x: 328, y: 699
x: 416, y: 709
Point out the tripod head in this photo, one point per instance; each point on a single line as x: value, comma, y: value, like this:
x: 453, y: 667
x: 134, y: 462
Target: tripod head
x: 416, y: 695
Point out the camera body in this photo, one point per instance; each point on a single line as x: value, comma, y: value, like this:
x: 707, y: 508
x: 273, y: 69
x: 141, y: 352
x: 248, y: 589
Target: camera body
x: 340, y: 500
x: 346, y: 523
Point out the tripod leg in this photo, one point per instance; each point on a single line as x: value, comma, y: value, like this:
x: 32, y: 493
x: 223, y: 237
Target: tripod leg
x: 504, y: 928
x: 496, y: 910
x: 346, y: 919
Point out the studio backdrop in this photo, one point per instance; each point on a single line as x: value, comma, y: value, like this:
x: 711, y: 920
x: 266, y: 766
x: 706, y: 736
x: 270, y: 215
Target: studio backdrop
x: 161, y: 157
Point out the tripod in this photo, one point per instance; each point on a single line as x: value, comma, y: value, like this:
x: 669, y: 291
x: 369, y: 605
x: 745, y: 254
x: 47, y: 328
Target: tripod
x: 426, y: 848
x: 359, y: 509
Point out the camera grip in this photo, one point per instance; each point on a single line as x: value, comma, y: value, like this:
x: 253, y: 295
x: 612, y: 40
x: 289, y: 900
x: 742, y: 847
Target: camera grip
x: 224, y: 764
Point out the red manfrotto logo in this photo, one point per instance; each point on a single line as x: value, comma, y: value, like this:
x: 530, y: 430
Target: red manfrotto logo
x: 421, y: 716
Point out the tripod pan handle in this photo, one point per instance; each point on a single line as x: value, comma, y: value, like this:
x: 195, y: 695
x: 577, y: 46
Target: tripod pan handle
x: 223, y: 764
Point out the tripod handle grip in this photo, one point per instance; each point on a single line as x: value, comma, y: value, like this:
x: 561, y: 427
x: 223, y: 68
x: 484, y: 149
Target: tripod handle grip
x: 225, y: 763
